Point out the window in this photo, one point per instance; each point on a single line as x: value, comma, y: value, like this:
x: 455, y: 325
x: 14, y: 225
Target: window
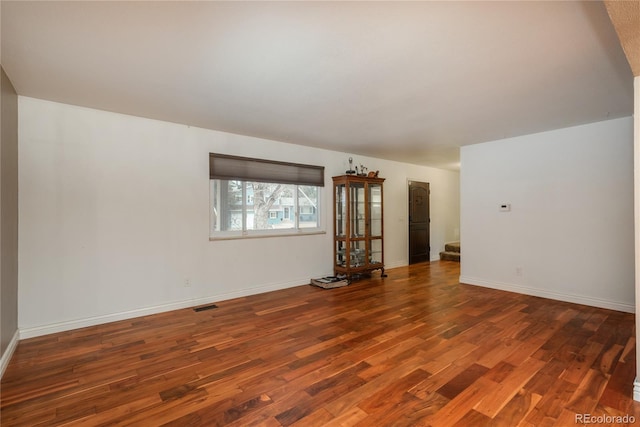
x: 253, y: 197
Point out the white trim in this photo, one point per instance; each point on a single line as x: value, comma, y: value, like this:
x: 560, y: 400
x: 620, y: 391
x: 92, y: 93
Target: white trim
x: 395, y: 264
x: 6, y: 356
x: 37, y: 331
x: 255, y: 234
x: 636, y: 390
x: 404, y: 263
x: 544, y: 293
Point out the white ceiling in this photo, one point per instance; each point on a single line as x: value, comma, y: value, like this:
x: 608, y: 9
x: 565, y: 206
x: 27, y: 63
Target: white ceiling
x: 407, y: 81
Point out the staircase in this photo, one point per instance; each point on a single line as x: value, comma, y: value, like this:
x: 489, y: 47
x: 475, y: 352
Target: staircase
x: 451, y: 252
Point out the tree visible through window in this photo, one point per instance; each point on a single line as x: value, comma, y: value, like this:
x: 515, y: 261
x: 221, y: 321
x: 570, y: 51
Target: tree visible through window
x: 266, y: 206
x: 264, y: 197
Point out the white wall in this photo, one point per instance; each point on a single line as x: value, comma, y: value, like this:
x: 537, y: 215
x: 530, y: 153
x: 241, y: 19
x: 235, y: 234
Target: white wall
x: 569, y: 234
x: 114, y: 217
x: 8, y: 220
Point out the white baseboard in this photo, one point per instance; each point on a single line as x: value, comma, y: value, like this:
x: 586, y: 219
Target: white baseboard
x: 405, y: 263
x: 544, y: 293
x: 395, y: 264
x: 6, y: 356
x: 36, y: 331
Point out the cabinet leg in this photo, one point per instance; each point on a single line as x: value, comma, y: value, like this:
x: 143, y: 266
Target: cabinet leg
x: 382, y: 273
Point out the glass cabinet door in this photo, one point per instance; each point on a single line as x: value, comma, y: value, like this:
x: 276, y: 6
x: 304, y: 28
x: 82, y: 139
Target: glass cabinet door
x: 351, y: 255
x: 341, y: 210
x: 358, y: 254
x: 356, y: 209
x: 375, y: 210
x: 375, y: 257
x: 341, y: 253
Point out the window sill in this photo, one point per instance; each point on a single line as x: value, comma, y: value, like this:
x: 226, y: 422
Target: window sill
x: 267, y: 235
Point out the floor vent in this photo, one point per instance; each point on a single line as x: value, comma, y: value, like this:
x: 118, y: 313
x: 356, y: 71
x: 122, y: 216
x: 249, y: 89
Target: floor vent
x: 206, y: 307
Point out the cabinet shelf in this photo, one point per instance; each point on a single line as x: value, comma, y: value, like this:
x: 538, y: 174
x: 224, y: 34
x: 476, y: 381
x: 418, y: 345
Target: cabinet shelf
x: 358, y: 221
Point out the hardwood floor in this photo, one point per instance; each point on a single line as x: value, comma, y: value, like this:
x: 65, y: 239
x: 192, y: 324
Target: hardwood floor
x: 414, y: 349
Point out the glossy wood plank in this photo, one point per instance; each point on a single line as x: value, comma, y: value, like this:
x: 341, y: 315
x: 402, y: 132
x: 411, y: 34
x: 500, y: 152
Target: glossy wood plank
x: 415, y: 348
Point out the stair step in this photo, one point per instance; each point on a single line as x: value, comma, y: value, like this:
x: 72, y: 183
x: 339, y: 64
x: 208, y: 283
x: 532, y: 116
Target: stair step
x: 452, y: 247
x: 450, y: 256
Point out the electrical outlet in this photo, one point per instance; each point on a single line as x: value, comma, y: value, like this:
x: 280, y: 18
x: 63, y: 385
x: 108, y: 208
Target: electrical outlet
x: 518, y: 271
x: 187, y: 283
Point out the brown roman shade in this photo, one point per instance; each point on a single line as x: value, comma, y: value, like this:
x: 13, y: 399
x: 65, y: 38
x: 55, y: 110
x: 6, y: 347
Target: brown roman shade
x: 222, y: 166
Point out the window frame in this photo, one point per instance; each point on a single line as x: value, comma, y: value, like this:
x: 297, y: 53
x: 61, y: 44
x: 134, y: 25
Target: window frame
x: 249, y: 170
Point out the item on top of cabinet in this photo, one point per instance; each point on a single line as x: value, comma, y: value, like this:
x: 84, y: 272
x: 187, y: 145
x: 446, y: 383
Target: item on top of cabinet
x: 351, y: 171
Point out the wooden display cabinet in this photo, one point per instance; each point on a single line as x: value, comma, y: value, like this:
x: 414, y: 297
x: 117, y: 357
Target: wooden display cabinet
x: 358, y: 221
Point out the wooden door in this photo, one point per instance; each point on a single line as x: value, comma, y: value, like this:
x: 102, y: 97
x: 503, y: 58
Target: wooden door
x: 418, y: 222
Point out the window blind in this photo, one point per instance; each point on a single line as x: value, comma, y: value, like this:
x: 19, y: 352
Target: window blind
x: 222, y: 166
